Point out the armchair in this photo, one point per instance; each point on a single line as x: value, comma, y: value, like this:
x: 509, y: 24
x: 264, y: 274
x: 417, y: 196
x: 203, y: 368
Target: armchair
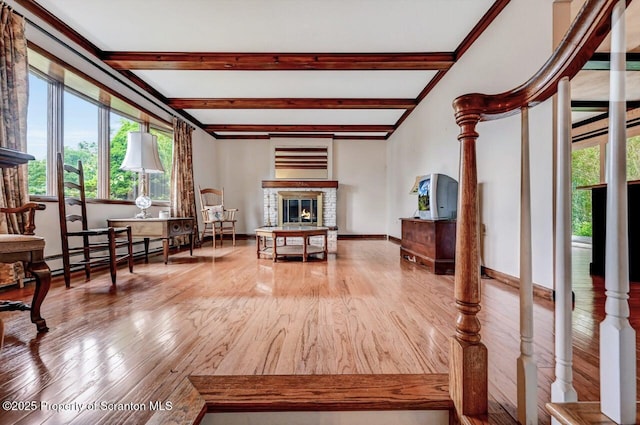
x: 28, y: 249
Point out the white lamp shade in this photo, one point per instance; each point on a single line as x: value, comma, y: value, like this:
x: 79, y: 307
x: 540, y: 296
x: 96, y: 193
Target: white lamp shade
x: 142, y: 153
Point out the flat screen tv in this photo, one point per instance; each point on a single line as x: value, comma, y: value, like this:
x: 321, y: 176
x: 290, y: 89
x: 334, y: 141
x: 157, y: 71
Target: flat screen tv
x: 437, y: 197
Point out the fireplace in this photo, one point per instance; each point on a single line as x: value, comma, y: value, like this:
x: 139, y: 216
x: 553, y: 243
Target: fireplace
x: 300, y: 208
x: 316, y: 205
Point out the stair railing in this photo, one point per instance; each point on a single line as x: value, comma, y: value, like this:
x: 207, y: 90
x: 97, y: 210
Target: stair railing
x: 468, y: 355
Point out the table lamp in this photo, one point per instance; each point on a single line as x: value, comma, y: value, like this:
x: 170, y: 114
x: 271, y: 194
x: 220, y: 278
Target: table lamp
x: 142, y: 157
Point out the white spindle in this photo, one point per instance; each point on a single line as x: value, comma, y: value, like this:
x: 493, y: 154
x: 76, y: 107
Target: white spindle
x: 562, y: 388
x: 526, y: 365
x: 617, y: 337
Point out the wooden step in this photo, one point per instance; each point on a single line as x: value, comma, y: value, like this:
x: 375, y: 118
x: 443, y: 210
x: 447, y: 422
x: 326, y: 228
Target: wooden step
x: 497, y: 415
x: 581, y: 413
x: 198, y: 395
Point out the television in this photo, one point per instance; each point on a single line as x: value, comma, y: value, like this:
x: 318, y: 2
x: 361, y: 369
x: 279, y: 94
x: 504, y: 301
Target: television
x: 437, y: 197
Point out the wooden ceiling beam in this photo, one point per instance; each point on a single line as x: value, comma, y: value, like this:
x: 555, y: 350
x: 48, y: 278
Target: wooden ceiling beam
x: 287, y: 128
x: 598, y: 105
x: 290, y: 103
x: 601, y: 61
x: 278, y: 61
x: 294, y: 135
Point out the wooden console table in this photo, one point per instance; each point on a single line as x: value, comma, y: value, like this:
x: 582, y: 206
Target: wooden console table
x: 431, y: 243
x: 164, y: 228
x: 264, y: 234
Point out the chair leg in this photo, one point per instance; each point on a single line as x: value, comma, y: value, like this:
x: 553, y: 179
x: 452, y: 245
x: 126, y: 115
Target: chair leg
x: 42, y: 274
x: 233, y: 233
x: 130, y: 248
x: 215, y: 232
x: 1, y: 334
x: 87, y: 258
x: 66, y: 268
x: 113, y: 267
x: 204, y: 231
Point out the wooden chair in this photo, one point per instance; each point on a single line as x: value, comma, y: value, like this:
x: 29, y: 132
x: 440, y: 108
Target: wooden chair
x: 214, y: 214
x: 94, y: 242
x: 29, y: 250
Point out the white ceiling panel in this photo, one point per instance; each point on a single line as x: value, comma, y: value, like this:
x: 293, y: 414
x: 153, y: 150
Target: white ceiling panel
x: 208, y: 58
x: 577, y: 116
x: 297, y: 116
x: 593, y: 85
x: 272, y: 26
x: 223, y: 84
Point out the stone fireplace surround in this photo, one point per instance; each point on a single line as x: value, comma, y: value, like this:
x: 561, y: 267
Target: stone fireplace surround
x: 329, y: 188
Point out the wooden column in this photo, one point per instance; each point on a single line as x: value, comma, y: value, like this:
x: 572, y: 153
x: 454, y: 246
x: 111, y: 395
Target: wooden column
x: 527, y: 370
x: 468, y: 356
x: 562, y: 388
x: 617, y: 337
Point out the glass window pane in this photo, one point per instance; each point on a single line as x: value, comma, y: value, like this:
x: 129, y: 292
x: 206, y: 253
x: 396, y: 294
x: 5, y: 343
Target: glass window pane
x: 160, y: 183
x: 585, y: 170
x: 81, y: 139
x: 122, y: 184
x: 37, y: 134
x: 633, y: 158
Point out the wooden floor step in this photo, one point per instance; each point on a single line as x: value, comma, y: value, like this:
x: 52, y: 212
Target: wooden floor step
x: 497, y: 416
x: 581, y: 413
x: 281, y: 393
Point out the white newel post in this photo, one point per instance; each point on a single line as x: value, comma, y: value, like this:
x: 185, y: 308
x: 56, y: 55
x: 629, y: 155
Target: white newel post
x: 617, y: 337
x: 562, y: 389
x: 526, y: 364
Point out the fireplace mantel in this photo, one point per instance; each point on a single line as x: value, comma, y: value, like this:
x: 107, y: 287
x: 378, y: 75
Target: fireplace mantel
x: 275, y: 184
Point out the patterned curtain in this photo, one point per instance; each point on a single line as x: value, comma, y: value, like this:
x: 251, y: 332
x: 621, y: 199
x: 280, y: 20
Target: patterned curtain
x: 183, y: 198
x: 14, y: 86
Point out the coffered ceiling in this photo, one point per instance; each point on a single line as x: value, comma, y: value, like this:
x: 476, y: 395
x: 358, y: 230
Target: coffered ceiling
x: 255, y: 68
x: 341, y: 68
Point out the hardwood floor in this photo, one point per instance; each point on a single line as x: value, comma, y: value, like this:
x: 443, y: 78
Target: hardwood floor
x: 223, y: 312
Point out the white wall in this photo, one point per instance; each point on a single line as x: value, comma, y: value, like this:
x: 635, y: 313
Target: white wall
x: 205, y: 170
x: 242, y: 165
x: 358, y: 165
x: 506, y: 55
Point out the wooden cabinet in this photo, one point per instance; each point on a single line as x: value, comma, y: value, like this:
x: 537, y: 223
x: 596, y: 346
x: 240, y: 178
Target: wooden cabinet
x: 599, y: 222
x: 431, y: 243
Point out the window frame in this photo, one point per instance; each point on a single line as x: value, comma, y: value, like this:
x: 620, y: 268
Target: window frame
x: 56, y: 88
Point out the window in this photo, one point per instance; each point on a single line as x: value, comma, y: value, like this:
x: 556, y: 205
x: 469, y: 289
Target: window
x: 72, y: 114
x: 80, y: 135
x: 122, y: 184
x: 160, y: 183
x: 37, y: 134
x: 586, y: 165
x: 633, y: 158
x: 585, y: 170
